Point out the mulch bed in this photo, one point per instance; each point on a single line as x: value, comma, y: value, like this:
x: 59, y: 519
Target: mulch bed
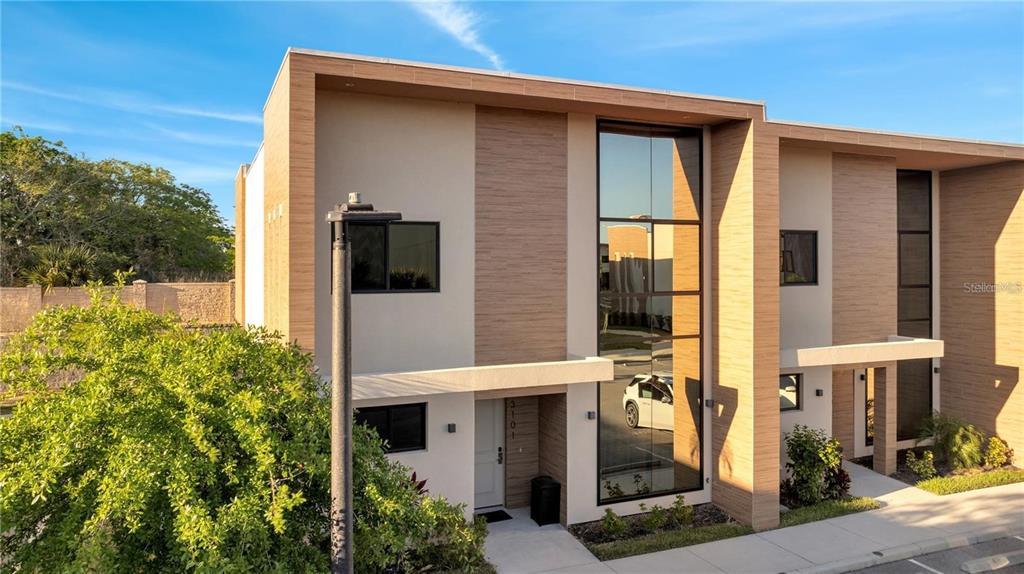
x: 593, y: 532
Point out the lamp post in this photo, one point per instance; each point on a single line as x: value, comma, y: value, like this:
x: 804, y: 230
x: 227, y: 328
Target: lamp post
x: 341, y: 373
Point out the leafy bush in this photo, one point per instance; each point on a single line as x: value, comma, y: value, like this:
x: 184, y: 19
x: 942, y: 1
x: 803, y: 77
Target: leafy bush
x: 680, y: 513
x: 837, y: 484
x: 997, y: 453
x: 613, y: 524
x: 654, y: 518
x: 960, y: 444
x: 140, y: 445
x: 923, y: 467
x: 815, y: 467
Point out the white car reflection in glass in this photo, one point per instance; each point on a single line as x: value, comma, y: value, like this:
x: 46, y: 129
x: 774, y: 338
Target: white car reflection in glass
x: 647, y: 401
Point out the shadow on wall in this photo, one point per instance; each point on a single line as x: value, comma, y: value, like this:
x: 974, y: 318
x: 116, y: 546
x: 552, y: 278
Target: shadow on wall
x: 982, y: 297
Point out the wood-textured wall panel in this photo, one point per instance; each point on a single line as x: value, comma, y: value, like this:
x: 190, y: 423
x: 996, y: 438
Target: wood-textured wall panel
x: 982, y: 243
x: 863, y: 248
x: 842, y: 410
x: 552, y: 443
x: 302, y: 203
x: 276, y: 166
x: 884, y: 457
x: 289, y: 139
x: 745, y: 421
x: 521, y: 196
x: 522, y: 456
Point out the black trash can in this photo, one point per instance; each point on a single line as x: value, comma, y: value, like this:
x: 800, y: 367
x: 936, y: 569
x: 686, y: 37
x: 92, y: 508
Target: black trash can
x: 545, y: 500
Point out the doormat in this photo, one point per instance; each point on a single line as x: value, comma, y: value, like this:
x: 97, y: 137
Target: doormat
x: 495, y: 516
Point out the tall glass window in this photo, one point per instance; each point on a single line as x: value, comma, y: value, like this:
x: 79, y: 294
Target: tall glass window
x: 914, y: 303
x: 649, y: 311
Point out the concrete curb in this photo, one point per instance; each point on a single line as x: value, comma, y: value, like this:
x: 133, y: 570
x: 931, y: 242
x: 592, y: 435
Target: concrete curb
x: 898, y: 553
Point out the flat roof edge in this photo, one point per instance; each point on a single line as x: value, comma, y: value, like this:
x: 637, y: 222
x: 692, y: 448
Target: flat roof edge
x: 518, y: 76
x: 853, y: 129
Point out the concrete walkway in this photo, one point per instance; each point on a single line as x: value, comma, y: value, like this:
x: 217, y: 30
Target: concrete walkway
x: 910, y: 522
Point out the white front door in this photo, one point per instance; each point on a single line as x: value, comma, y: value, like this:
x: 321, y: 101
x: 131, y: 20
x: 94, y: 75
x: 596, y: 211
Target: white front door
x: 490, y: 453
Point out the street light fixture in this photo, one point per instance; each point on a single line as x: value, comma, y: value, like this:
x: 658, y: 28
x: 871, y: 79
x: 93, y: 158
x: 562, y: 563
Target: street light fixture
x: 341, y: 373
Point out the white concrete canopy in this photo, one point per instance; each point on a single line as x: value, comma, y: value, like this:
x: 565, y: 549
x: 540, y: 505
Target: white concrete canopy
x: 896, y: 348
x: 487, y: 378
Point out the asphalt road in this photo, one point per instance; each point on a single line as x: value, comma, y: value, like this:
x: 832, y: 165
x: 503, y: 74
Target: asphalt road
x: 950, y: 561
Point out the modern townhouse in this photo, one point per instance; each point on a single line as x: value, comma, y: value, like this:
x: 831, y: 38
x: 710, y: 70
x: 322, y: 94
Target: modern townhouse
x: 636, y: 292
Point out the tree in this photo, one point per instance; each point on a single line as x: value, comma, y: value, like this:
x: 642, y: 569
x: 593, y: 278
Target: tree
x: 127, y: 214
x: 139, y: 444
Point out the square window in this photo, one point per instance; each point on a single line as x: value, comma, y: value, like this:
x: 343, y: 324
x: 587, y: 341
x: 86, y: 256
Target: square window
x: 789, y: 392
x: 798, y: 257
x: 403, y: 427
x: 398, y: 256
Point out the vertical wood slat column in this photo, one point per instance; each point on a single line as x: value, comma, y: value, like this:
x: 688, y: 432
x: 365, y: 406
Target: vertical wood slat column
x: 842, y: 410
x: 289, y: 136
x: 745, y: 422
x: 884, y: 457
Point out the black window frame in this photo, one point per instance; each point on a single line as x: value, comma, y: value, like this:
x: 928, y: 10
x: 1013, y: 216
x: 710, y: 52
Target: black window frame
x: 628, y: 127
x: 799, y: 392
x: 386, y: 436
x: 900, y: 285
x: 387, y: 257
x: 782, y: 238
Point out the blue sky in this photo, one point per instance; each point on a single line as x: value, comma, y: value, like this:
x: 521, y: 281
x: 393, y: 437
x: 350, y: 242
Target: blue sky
x: 182, y: 84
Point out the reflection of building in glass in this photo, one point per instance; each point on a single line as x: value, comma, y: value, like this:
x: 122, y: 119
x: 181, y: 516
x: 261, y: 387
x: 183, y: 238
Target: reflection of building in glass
x: 650, y: 435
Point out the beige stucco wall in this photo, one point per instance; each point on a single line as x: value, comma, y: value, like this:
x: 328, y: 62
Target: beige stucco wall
x: 805, y: 311
x: 417, y: 157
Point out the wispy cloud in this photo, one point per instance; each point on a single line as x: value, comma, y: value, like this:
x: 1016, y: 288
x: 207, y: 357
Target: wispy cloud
x: 460, y: 22
x: 199, y: 138
x: 129, y: 102
x: 34, y: 124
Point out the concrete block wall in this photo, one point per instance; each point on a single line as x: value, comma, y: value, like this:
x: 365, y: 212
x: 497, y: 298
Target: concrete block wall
x: 202, y: 303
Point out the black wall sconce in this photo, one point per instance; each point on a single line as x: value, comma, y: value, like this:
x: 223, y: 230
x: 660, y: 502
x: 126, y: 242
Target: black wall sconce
x: 591, y: 415
x: 819, y: 392
x: 451, y: 427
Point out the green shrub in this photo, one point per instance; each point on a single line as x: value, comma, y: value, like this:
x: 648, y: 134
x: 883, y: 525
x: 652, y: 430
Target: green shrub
x: 923, y: 467
x: 997, y: 453
x: 967, y: 447
x: 960, y: 444
x: 139, y: 445
x: 613, y: 524
x: 653, y: 519
x: 815, y: 467
x: 680, y: 513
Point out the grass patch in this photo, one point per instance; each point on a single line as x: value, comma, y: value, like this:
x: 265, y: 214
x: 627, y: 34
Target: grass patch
x: 826, y: 509
x: 963, y: 482
x: 666, y: 540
